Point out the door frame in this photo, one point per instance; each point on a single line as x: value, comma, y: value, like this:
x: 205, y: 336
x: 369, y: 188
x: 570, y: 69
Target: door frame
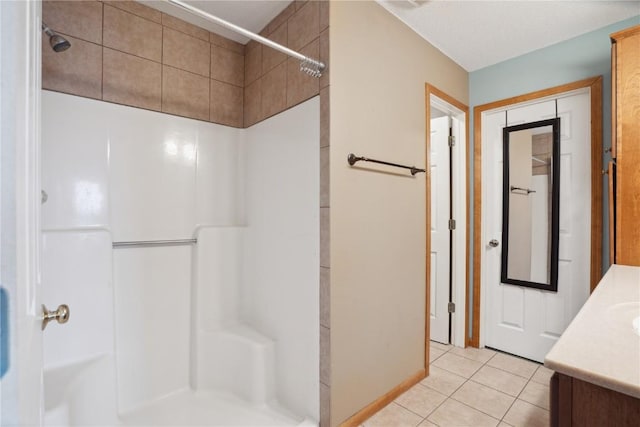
x: 20, y: 69
x: 595, y: 84
x: 460, y: 240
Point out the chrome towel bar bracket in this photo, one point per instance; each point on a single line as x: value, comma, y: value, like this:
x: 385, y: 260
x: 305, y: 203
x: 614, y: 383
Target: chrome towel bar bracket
x: 353, y: 159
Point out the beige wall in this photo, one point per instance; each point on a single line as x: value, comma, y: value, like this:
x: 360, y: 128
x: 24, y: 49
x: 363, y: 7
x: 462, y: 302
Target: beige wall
x: 377, y: 240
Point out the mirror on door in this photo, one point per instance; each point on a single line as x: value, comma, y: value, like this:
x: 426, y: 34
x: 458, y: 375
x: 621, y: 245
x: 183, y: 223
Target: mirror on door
x: 530, y: 211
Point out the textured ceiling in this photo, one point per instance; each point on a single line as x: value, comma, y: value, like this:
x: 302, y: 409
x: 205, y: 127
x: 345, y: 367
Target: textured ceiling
x: 476, y: 34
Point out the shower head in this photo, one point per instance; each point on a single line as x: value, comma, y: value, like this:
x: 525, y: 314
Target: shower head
x: 57, y: 42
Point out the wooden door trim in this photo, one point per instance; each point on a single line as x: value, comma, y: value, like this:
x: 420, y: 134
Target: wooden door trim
x: 595, y: 84
x: 432, y: 90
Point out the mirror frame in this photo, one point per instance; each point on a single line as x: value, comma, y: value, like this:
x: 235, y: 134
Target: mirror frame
x: 555, y: 205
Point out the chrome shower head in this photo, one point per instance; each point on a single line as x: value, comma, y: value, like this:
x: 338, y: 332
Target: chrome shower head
x: 57, y: 42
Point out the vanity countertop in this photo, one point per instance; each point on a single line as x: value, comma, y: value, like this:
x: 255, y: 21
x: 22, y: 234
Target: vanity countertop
x: 600, y: 345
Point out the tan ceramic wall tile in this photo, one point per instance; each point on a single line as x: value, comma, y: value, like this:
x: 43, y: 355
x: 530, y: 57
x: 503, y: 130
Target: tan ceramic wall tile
x: 325, y: 355
x: 324, y: 14
x: 304, y: 25
x: 271, y: 57
x: 301, y: 86
x: 324, y: 238
x: 77, y: 70
x: 324, y: 57
x: 185, y: 94
x: 82, y: 20
x: 226, y: 104
x: 324, y: 177
x: 300, y: 3
x: 131, y: 34
x: 131, y: 80
x: 325, y: 297
x: 137, y: 9
x: 325, y: 127
x: 274, y: 91
x: 185, y: 52
x: 253, y: 103
x: 252, y: 62
x: 185, y: 27
x: 227, y: 66
x: 325, y: 405
x: 280, y: 19
x: 218, y: 40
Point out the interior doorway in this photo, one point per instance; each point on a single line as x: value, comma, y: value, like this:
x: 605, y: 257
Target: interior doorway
x: 447, y: 137
x: 518, y: 318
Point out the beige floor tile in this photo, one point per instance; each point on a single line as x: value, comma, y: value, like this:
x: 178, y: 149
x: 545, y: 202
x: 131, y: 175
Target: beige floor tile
x: 484, y: 399
x: 537, y: 394
x: 393, y: 415
x: 457, y: 364
x: 500, y: 380
x: 478, y: 354
x: 543, y: 375
x: 442, y: 381
x: 513, y: 364
x: 440, y: 346
x: 453, y: 413
x: 434, y: 353
x: 427, y: 423
x: 523, y: 414
x: 421, y: 400
x: 503, y: 424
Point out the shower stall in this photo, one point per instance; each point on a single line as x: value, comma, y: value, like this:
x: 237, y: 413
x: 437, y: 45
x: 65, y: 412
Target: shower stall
x: 188, y: 255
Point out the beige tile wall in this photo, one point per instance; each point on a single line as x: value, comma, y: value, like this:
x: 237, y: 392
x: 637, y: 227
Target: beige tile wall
x: 127, y: 53
x: 273, y: 82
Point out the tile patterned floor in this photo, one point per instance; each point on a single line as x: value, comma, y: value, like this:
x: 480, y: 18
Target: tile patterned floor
x: 472, y: 387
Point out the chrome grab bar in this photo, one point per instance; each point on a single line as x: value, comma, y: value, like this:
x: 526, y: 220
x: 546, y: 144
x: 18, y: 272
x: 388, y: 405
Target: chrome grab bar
x: 155, y: 243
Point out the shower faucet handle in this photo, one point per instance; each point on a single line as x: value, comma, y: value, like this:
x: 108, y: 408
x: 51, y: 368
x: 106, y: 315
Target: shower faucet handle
x: 61, y: 315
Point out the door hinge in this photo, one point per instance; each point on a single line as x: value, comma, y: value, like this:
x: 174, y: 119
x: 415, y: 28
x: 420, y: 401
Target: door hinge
x: 452, y: 140
x: 452, y: 224
x: 452, y: 307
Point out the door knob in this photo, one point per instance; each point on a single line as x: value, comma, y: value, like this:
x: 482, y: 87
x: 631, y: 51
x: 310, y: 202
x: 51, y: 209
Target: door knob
x: 493, y: 243
x: 61, y: 315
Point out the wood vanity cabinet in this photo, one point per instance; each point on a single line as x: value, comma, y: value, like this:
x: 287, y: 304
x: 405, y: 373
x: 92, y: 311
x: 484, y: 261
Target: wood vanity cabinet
x: 624, y: 170
x: 579, y: 403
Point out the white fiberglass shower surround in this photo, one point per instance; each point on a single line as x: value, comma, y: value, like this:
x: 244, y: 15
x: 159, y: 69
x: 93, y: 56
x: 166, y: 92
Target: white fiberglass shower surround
x: 223, y: 331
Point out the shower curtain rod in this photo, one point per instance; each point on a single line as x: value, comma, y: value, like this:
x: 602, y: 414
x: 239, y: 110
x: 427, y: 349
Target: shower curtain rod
x: 309, y: 65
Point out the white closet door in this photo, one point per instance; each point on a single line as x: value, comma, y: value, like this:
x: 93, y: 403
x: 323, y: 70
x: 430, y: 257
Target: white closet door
x: 527, y: 321
x: 440, y: 242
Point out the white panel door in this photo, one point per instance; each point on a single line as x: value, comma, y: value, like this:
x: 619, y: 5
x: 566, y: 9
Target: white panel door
x: 440, y: 239
x: 527, y: 321
x: 20, y: 299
